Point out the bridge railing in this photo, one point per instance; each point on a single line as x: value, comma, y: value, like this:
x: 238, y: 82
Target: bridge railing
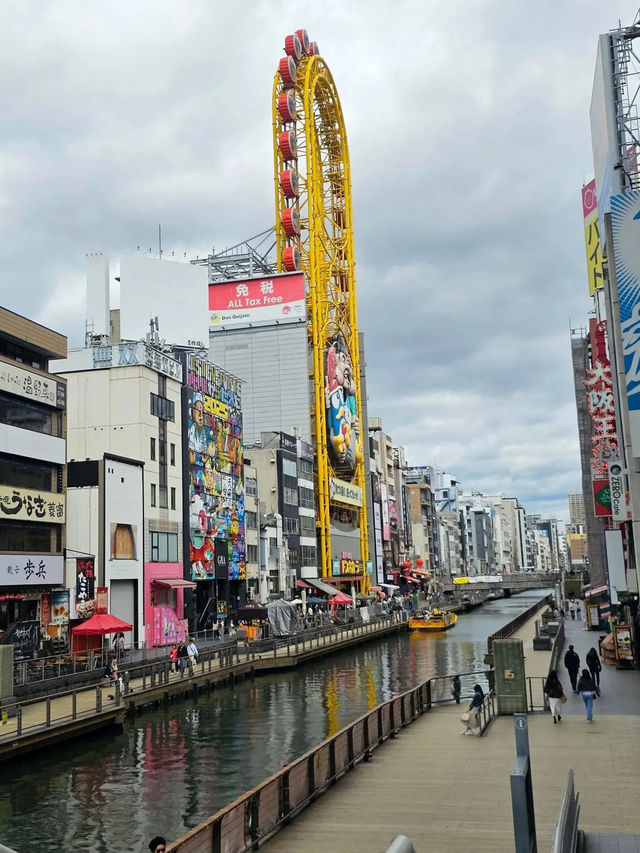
x: 259, y: 813
x: 512, y: 626
x: 565, y: 835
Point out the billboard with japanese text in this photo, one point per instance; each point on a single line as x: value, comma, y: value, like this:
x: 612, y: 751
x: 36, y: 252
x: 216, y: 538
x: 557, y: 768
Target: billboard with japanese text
x: 592, y: 237
x: 625, y: 225
x: 215, y: 488
x: 244, y: 302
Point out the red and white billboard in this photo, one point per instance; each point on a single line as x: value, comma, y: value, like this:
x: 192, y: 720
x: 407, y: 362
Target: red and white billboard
x: 243, y: 302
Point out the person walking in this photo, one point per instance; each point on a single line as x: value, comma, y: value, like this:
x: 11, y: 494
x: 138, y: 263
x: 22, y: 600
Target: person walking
x: 183, y: 655
x: 554, y: 691
x: 578, y: 611
x: 588, y: 690
x: 572, y: 610
x: 173, y: 658
x: 192, y: 652
x: 595, y: 667
x: 572, y: 664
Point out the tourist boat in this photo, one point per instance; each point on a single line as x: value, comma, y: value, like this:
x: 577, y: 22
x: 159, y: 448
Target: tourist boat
x: 433, y: 620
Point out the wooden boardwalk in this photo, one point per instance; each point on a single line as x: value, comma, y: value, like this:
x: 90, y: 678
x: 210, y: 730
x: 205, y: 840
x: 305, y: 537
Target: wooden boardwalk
x: 452, y: 793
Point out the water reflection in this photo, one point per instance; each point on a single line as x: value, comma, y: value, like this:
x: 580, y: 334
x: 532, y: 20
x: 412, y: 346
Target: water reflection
x: 170, y: 769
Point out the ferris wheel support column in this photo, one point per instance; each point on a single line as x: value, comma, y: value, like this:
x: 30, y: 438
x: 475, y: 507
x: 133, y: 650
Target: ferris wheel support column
x: 314, y: 233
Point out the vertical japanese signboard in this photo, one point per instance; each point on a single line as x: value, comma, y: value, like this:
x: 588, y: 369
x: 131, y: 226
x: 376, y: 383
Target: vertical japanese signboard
x: 625, y: 224
x: 600, y: 404
x: 592, y: 236
x: 85, y: 587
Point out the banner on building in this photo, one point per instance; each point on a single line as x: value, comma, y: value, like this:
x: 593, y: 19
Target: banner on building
x: 31, y: 385
x: 215, y: 488
x: 31, y: 505
x: 102, y: 599
x: 60, y: 607
x: 345, y: 493
x: 86, y: 603
x: 592, y: 237
x: 601, y: 497
x: 238, y: 303
x: 618, y: 490
x: 625, y: 224
x: 600, y: 403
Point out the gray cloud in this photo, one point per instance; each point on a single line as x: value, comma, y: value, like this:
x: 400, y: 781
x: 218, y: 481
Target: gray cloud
x: 468, y: 131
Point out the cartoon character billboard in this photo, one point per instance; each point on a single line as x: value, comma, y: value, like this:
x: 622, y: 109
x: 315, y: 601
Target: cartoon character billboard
x: 343, y: 418
x: 215, y: 488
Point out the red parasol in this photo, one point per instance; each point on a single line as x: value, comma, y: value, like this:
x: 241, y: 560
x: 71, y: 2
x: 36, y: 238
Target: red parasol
x: 341, y: 598
x: 100, y: 624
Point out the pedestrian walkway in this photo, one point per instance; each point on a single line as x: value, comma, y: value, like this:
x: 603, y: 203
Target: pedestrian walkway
x: 452, y: 793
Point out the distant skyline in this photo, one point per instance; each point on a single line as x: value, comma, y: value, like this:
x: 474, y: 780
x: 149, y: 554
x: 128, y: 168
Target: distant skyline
x: 469, y: 140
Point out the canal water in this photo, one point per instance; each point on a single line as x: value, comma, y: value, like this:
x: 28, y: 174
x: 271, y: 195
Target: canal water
x: 170, y: 769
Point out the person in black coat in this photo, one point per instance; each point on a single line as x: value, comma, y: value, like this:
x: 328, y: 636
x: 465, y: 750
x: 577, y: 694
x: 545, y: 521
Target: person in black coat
x: 554, y: 691
x: 572, y: 664
x: 595, y: 667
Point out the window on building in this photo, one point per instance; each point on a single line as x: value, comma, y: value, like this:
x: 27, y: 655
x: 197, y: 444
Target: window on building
x: 152, y: 450
x: 20, y: 473
x: 153, y: 494
x: 290, y: 525
x: 18, y: 412
x: 251, y: 519
x: 164, y: 547
x: 164, y: 498
x: 289, y: 467
x: 294, y: 556
x: 28, y: 537
x: 305, y: 469
x: 173, y: 454
x: 173, y: 497
x: 162, y: 408
x: 123, y: 543
x: 306, y: 498
x: 252, y: 553
x: 307, y: 525
x: 309, y: 555
x: 290, y: 496
x: 251, y: 486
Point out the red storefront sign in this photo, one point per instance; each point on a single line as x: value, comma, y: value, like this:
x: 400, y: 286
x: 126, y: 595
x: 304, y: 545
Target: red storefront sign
x: 601, y: 497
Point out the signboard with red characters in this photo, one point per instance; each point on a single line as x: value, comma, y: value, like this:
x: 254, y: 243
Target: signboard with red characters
x: 244, y: 302
x: 600, y: 403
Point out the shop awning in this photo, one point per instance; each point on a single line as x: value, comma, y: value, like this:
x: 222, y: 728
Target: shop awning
x: 598, y: 590
x: 302, y: 584
x: 344, y: 579
x: 174, y: 583
x: 322, y: 586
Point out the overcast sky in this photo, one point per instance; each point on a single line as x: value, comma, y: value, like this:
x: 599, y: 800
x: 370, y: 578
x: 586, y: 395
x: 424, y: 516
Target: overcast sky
x: 469, y: 138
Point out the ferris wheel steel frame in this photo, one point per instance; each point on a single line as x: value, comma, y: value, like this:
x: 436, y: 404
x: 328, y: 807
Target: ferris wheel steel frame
x: 325, y: 243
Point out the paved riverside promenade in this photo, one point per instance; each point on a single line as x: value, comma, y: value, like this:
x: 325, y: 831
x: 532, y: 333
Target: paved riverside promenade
x: 451, y: 793
x: 65, y: 720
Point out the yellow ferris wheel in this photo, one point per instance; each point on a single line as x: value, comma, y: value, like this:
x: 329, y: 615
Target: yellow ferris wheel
x: 314, y: 233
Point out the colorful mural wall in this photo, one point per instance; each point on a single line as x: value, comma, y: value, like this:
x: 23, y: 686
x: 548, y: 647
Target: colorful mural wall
x: 215, y: 491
